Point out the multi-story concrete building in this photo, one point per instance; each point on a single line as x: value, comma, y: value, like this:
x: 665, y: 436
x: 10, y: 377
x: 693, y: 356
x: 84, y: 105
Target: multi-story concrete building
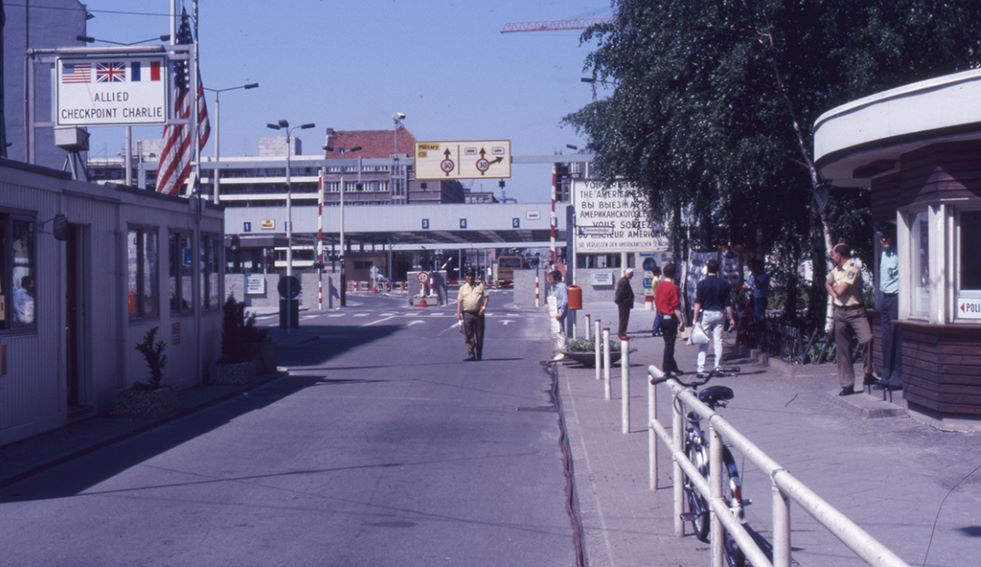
x: 30, y: 25
x: 360, y: 159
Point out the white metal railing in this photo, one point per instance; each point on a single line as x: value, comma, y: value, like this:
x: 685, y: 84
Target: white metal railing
x: 785, y: 487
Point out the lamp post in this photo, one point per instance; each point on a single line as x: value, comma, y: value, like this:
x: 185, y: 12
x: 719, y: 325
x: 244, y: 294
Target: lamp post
x: 285, y: 125
x: 397, y: 118
x: 343, y: 258
x: 216, y: 173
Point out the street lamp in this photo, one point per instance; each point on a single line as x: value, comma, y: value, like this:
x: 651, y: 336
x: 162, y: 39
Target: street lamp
x: 216, y: 173
x: 285, y: 125
x: 342, y: 151
x: 397, y: 117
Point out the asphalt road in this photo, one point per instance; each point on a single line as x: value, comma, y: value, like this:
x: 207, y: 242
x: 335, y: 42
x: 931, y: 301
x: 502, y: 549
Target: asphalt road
x: 382, y: 447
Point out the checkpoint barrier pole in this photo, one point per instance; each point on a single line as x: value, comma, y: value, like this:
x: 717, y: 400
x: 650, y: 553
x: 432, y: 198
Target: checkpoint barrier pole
x: 538, y: 297
x: 599, y: 355
x: 606, y: 363
x: 586, y: 335
x: 625, y: 385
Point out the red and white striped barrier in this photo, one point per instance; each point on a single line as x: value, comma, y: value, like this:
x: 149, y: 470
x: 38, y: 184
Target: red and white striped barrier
x: 538, y: 297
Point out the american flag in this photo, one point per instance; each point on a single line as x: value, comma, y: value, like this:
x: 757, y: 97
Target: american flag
x: 76, y: 73
x: 110, y: 72
x: 177, y: 153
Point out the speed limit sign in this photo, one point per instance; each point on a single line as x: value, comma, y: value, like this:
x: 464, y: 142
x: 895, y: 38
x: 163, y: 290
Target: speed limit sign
x: 423, y: 277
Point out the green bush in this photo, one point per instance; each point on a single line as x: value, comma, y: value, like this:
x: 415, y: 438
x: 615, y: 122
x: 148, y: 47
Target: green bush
x: 155, y: 360
x: 588, y: 345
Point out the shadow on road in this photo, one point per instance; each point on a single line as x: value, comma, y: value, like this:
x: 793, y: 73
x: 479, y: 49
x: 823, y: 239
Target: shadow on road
x: 78, y: 475
x: 317, y: 344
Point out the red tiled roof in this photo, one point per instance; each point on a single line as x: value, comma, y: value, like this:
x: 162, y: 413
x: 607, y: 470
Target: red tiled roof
x: 374, y: 143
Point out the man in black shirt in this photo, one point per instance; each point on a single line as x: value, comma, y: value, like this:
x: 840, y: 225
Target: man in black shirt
x: 624, y: 298
x: 711, y: 298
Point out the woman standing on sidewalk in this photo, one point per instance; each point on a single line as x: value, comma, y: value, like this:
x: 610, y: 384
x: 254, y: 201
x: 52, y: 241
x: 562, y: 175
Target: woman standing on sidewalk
x: 672, y: 320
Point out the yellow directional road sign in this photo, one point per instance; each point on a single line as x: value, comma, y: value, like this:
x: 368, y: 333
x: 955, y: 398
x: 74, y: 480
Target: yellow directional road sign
x: 480, y: 159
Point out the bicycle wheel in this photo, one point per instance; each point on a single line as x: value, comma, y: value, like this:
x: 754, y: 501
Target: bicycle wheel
x: 698, y: 508
x: 732, y: 494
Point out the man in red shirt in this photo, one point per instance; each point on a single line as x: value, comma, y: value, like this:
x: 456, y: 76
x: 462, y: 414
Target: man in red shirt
x: 672, y: 319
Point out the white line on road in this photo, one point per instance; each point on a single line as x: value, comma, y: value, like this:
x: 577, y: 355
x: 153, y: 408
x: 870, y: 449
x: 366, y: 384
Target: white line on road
x: 378, y: 321
x: 360, y: 314
x: 416, y: 322
x: 453, y: 326
x: 506, y: 322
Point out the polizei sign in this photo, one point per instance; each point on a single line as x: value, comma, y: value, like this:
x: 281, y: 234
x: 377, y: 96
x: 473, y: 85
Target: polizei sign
x: 111, y: 91
x: 608, y: 219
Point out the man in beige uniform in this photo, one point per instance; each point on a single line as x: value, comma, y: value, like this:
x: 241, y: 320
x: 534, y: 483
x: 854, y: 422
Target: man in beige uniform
x: 471, y: 305
x: 844, y: 285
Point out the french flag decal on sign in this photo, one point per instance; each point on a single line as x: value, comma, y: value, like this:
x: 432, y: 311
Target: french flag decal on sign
x: 143, y: 71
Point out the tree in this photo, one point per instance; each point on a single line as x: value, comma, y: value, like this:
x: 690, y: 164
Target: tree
x: 715, y: 102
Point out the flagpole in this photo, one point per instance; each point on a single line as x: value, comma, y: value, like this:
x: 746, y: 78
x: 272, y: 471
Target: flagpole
x: 196, y: 107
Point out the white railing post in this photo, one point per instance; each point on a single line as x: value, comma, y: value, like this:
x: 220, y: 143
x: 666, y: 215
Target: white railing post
x: 715, y: 488
x: 538, y: 297
x: 586, y: 335
x: 678, y: 432
x: 652, y: 373
x: 781, y: 528
x: 606, y: 364
x: 598, y: 347
x: 625, y: 386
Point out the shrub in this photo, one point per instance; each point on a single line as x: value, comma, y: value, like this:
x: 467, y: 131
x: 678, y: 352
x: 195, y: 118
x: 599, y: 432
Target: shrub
x: 588, y: 345
x: 153, y: 354
x: 240, y: 337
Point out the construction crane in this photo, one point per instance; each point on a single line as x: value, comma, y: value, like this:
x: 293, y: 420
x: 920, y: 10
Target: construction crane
x: 553, y: 25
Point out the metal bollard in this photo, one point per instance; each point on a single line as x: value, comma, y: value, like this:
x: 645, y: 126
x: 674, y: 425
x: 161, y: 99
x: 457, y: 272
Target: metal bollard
x: 538, y: 297
x: 678, y: 432
x: 625, y: 386
x: 606, y: 364
x: 599, y: 359
x: 586, y: 336
x: 654, y: 373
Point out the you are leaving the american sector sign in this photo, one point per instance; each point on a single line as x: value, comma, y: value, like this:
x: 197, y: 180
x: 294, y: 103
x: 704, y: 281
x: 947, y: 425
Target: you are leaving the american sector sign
x: 111, y: 91
x: 608, y: 220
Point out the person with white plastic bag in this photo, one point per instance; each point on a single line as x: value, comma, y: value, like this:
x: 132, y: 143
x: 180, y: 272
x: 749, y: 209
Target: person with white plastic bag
x: 712, y: 304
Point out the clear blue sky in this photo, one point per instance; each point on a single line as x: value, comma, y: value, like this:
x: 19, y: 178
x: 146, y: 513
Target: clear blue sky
x: 351, y: 64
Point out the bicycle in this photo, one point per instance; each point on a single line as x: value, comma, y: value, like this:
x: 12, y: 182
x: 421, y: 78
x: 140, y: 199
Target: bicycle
x: 697, y: 450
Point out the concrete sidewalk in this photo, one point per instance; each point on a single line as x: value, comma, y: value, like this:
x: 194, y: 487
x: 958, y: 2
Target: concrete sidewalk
x: 913, y: 487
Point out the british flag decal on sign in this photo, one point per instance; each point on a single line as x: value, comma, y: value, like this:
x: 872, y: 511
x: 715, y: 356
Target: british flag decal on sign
x: 110, y: 73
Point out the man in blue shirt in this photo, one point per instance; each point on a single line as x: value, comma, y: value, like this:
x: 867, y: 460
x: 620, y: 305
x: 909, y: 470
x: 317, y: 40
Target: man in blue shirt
x: 892, y: 375
x: 712, y: 303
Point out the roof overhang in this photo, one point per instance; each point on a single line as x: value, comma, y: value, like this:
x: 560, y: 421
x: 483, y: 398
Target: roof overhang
x: 865, y: 138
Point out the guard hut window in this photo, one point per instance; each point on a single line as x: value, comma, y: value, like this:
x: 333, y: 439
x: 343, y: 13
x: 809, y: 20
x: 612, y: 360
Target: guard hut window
x: 181, y: 272
x: 141, y: 280
x: 968, y: 264
x: 18, y: 291
x: 209, y: 272
x: 920, y: 265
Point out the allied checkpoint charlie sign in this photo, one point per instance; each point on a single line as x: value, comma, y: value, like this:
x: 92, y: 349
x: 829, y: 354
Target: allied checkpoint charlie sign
x: 608, y: 220
x: 111, y: 91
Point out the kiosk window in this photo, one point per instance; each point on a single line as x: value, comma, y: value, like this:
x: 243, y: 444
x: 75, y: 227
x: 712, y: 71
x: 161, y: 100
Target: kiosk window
x: 920, y: 265
x: 970, y: 248
x: 141, y: 268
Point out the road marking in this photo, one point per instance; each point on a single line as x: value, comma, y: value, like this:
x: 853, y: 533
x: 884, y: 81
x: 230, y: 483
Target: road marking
x: 453, y: 326
x: 378, y: 321
x: 360, y: 314
x: 506, y: 322
x: 335, y: 315
x: 416, y: 322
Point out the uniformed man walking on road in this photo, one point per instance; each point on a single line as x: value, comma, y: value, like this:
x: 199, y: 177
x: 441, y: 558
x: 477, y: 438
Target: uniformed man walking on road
x: 844, y: 285
x: 471, y: 306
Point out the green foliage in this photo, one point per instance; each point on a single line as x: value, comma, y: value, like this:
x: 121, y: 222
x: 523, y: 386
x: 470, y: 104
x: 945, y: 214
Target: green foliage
x: 240, y: 337
x: 153, y: 354
x: 588, y: 345
x: 713, y: 111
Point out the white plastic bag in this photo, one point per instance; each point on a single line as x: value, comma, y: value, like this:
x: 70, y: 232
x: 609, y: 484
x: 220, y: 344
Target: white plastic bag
x: 698, y: 336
